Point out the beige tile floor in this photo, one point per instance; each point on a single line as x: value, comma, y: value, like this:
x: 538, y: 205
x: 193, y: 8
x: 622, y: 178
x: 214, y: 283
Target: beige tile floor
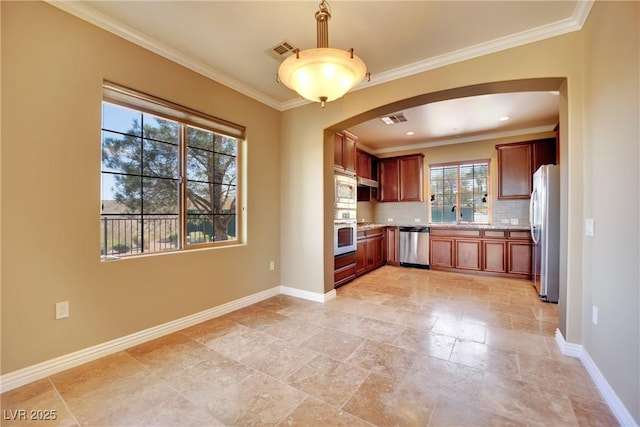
x: 397, y: 347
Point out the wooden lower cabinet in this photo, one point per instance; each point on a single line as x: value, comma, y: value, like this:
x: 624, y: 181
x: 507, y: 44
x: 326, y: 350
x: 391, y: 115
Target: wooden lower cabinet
x: 468, y: 254
x: 441, y: 251
x: 393, y: 246
x: 493, y: 252
x: 344, y: 269
x: 520, y: 255
x: 361, y: 257
x: 495, y: 256
x: 371, y: 251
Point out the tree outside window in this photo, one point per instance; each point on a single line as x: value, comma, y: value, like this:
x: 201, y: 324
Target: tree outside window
x: 166, y: 185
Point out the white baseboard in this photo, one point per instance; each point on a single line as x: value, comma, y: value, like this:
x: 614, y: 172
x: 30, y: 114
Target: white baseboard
x: 617, y: 407
x: 44, y: 369
x: 312, y: 296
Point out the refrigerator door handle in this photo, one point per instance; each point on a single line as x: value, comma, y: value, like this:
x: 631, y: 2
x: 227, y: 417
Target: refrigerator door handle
x: 534, y: 195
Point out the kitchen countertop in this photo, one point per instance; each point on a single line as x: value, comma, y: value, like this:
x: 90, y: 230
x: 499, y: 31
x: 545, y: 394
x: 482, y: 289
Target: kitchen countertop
x: 369, y: 226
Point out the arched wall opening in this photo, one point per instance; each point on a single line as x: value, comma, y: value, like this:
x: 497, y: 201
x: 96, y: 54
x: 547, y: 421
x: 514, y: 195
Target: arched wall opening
x: 509, y: 86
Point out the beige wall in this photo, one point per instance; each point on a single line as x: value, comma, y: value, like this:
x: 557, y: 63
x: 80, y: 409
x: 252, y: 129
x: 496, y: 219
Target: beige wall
x: 52, y: 70
x: 612, y: 180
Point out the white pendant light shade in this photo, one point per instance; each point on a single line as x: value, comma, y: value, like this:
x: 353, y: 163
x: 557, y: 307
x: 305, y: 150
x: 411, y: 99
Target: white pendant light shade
x: 322, y: 74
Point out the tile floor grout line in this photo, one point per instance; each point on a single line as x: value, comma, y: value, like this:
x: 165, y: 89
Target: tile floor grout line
x: 64, y: 402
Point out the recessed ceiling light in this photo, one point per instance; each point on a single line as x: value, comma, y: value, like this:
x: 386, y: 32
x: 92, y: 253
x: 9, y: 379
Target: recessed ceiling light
x: 410, y: 133
x: 503, y: 118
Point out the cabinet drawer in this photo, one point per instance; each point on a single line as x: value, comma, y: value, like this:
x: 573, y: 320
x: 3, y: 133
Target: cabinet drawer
x: 374, y: 232
x: 344, y: 260
x: 454, y: 233
x: 494, y: 234
x: 520, y: 234
x: 344, y: 273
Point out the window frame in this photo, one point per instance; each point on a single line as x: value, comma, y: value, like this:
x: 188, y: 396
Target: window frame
x: 124, y: 97
x: 458, y: 165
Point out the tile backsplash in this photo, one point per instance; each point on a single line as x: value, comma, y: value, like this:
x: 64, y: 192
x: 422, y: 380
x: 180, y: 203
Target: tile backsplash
x: 503, y: 211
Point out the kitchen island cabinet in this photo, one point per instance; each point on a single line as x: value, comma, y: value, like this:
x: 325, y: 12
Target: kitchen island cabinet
x: 484, y: 251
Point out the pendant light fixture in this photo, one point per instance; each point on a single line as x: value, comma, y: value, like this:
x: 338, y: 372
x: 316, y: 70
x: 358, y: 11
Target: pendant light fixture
x: 322, y: 74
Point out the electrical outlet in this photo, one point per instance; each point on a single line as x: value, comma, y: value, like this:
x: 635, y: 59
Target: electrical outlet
x: 62, y: 309
x: 594, y: 315
x: 416, y: 219
x: 272, y: 265
x: 389, y: 219
x: 504, y: 221
x: 515, y: 221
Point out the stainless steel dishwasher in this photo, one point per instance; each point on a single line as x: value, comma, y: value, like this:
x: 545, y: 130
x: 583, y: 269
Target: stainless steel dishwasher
x: 414, y: 246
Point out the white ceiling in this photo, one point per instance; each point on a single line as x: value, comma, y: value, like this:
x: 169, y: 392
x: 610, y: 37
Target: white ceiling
x: 230, y: 42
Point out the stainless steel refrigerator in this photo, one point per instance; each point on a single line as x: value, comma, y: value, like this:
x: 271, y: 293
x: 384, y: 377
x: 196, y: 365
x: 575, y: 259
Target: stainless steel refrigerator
x: 544, y: 217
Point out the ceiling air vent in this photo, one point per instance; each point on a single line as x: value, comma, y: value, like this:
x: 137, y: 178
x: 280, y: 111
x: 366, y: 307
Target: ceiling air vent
x: 282, y: 50
x: 393, y: 119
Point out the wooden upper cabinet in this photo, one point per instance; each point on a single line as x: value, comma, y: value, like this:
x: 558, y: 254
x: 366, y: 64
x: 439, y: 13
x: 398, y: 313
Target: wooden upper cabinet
x: 401, y: 178
x: 344, y: 152
x: 514, y: 171
x: 517, y: 163
x: 411, y: 179
x: 389, y: 170
x: 544, y: 153
x: 363, y: 164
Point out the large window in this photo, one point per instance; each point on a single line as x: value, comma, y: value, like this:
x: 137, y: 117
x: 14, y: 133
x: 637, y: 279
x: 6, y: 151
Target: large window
x: 169, y: 176
x: 459, y: 192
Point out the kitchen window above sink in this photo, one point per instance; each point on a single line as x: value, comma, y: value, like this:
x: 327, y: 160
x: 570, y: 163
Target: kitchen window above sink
x: 459, y: 192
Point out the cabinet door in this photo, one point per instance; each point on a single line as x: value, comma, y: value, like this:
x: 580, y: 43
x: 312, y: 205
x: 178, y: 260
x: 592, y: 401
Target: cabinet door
x: 514, y: 171
x: 389, y: 180
x: 361, y: 257
x: 338, y: 152
x: 344, y: 152
x: 468, y: 254
x: 379, y: 251
x: 544, y: 153
x: 411, y: 178
x: 494, y: 256
x: 349, y: 153
x: 393, y: 255
x: 441, y: 252
x: 519, y: 258
x: 363, y: 164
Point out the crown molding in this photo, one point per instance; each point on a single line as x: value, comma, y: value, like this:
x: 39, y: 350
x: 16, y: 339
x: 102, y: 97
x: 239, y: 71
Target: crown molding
x: 113, y: 26
x: 575, y: 23
x: 462, y: 140
x: 86, y: 13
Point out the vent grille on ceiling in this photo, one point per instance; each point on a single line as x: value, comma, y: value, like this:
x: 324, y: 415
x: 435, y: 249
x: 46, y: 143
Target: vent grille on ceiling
x: 393, y: 119
x: 282, y: 50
